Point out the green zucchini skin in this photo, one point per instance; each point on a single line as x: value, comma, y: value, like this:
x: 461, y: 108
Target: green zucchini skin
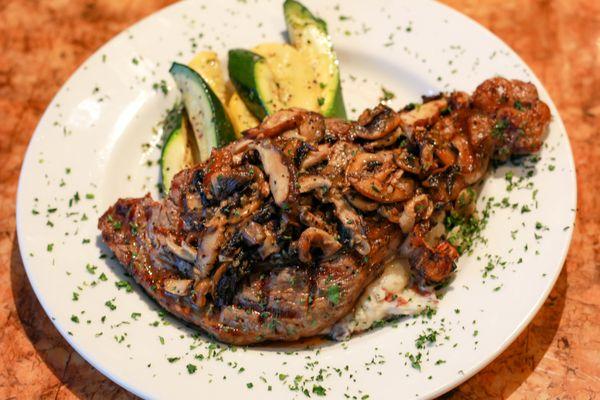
x: 299, y: 21
x: 337, y: 108
x: 246, y: 70
x: 209, y: 120
x: 172, y: 157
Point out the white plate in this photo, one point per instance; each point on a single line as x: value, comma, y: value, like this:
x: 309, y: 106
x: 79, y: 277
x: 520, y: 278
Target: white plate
x: 100, y: 120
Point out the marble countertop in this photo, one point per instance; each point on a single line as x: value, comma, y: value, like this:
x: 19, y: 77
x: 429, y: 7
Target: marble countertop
x: 557, y: 356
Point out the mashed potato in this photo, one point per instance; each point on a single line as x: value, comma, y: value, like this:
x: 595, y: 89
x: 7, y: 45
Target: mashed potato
x: 387, y: 297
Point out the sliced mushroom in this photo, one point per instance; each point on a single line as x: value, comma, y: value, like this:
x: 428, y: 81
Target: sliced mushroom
x: 385, y: 141
x: 308, y: 183
x: 446, y: 155
x: 269, y: 245
x: 315, y: 237
x: 480, y: 168
x: 278, y: 173
x: 337, y: 128
x: 216, y: 278
x: 360, y: 201
x: 391, y: 212
x: 424, y: 114
x: 229, y: 181
x: 309, y: 218
x: 315, y: 157
x: 239, y: 146
x: 408, y: 162
x: 208, y: 250
x: 466, y: 160
x: 178, y: 287
x: 377, y: 123
x: 427, y: 159
x: 201, y: 289
x: 277, y: 123
x: 466, y: 201
x: 376, y: 176
x: 253, y: 233
x: 416, y: 209
x: 352, y: 223
x: 340, y: 156
x: 312, y: 127
x: 249, y: 208
x: 185, y: 252
x: 429, y: 264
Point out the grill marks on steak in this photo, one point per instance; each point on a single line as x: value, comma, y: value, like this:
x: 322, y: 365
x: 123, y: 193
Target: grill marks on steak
x: 274, y: 302
x: 276, y: 236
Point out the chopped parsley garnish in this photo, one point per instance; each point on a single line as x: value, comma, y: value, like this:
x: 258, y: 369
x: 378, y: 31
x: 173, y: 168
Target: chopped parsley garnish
x: 74, y: 200
x: 415, y: 360
x: 124, y: 285
x: 75, y: 318
x: 191, y: 368
x: 428, y: 312
x: 91, y: 268
x: 162, y: 86
x: 333, y: 294
x: 464, y: 232
x: 110, y: 305
x: 115, y: 224
x: 173, y: 359
x: 429, y: 337
x: 500, y: 128
x: 386, y: 94
x: 319, y: 390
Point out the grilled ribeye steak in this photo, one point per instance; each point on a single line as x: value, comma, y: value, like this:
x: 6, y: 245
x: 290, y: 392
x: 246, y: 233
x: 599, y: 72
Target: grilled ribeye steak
x: 277, y: 234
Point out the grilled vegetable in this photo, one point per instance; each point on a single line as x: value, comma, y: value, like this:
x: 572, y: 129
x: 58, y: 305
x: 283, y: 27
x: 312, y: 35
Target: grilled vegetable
x: 253, y: 81
x: 208, y: 118
x: 177, y: 153
x: 207, y: 64
x: 309, y: 35
x: 294, y: 77
x: 241, y: 117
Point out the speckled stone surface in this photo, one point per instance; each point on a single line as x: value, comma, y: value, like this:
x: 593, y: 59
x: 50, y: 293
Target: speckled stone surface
x: 558, y: 355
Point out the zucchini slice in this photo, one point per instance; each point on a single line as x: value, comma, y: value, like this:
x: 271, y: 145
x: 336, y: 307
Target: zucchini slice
x: 294, y: 77
x: 309, y: 35
x: 254, y: 82
x: 207, y: 116
x: 207, y: 64
x: 176, y: 155
x: 241, y: 117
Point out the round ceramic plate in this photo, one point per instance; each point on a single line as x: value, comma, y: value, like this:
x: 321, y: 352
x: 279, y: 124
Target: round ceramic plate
x: 98, y: 141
